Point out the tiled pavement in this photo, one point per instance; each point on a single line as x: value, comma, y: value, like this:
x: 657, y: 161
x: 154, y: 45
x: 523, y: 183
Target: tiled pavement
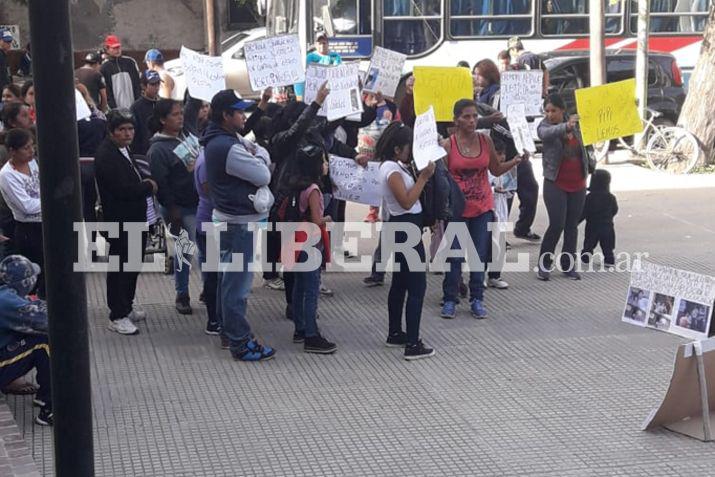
x: 551, y: 384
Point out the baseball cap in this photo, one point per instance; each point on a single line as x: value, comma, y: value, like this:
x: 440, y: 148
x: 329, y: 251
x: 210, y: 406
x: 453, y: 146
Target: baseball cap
x: 321, y: 35
x: 93, y: 57
x: 151, y: 76
x: 112, y: 41
x: 153, y: 55
x: 227, y: 100
x: 514, y: 42
x: 6, y: 36
x: 16, y: 269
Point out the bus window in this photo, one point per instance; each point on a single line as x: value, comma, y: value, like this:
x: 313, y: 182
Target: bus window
x: 490, y: 17
x: 412, y: 26
x: 344, y: 14
x: 674, y: 16
x: 570, y: 17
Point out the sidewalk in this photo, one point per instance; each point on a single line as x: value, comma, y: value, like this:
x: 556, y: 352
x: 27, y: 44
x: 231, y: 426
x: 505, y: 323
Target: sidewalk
x: 552, y: 383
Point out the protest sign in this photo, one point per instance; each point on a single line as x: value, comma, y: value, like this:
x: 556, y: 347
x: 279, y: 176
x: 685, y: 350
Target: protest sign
x: 441, y: 87
x: 344, y: 98
x: 668, y: 299
x: 274, y: 61
x: 522, y: 86
x: 519, y: 127
x: 608, y: 111
x: 204, y: 74
x: 355, y: 183
x: 384, y: 72
x: 425, y: 142
x: 81, y: 107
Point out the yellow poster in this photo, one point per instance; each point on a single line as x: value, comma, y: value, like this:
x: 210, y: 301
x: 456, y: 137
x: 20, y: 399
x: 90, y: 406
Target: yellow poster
x: 608, y: 111
x: 441, y: 87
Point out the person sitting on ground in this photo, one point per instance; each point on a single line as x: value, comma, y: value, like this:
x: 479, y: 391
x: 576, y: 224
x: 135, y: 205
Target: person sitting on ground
x: 23, y: 331
x: 11, y: 93
x: 5, y: 46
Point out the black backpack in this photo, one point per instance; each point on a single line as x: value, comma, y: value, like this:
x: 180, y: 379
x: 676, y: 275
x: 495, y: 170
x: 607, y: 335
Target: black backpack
x: 288, y: 209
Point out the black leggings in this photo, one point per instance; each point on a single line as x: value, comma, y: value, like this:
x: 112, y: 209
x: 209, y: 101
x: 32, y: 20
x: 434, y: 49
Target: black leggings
x: 28, y: 242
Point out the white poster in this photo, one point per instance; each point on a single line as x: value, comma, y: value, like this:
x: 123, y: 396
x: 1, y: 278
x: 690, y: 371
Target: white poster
x: 384, y: 72
x: 81, y: 107
x: 668, y: 299
x: 522, y: 86
x: 425, y: 142
x: 204, y: 74
x: 355, y: 183
x: 344, y: 98
x: 274, y: 61
x: 519, y: 127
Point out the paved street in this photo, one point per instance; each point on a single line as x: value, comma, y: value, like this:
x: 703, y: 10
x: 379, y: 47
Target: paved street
x: 551, y: 384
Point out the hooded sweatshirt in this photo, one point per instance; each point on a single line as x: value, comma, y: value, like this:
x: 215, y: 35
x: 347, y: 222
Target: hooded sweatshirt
x: 174, y: 177
x: 122, y: 78
x: 601, y: 206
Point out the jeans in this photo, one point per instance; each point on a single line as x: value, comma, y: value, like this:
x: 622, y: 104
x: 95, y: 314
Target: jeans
x: 406, y: 283
x: 482, y: 239
x: 188, y: 223
x: 564, y: 210
x: 377, y: 257
x: 306, y: 290
x: 210, y: 280
x: 236, y: 285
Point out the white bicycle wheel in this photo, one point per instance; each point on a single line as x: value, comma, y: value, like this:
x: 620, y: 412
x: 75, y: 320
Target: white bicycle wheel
x: 600, y: 150
x: 672, y: 150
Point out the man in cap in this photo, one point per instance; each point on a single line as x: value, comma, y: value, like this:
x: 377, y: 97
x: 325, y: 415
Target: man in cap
x: 5, y: 45
x: 88, y: 74
x: 142, y: 109
x: 121, y: 74
x: 23, y: 331
x: 321, y: 55
x: 236, y: 168
x: 154, y: 60
x: 527, y: 60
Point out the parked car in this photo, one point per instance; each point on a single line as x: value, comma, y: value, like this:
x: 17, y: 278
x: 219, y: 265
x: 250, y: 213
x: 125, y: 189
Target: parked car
x: 569, y: 70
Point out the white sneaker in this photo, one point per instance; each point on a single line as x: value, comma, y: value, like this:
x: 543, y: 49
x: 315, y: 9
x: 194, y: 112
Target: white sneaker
x: 137, y: 315
x: 123, y: 326
x: 497, y: 283
x: 275, y: 284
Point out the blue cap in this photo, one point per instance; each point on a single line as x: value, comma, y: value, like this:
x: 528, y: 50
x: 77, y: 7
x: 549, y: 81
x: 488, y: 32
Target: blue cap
x: 7, y: 36
x: 151, y: 76
x: 16, y: 269
x: 228, y: 100
x: 154, y: 55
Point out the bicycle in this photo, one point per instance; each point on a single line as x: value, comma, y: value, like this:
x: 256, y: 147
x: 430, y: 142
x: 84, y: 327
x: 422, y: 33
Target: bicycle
x: 667, y: 148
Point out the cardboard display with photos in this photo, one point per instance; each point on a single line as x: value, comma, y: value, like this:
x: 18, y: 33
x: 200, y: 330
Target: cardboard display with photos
x: 343, y: 80
x: 384, y: 72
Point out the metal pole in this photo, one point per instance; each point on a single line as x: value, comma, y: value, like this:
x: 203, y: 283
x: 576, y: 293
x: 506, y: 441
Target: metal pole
x: 642, y: 63
x: 596, y: 42
x: 52, y: 67
x: 213, y: 39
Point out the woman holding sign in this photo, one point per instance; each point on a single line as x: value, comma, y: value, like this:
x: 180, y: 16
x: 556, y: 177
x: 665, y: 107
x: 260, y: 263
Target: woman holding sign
x: 470, y: 155
x: 565, y: 164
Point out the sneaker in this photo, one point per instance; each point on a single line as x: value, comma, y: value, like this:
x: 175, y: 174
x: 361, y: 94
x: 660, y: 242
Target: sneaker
x: 532, y: 237
x: 201, y: 297
x: 124, y: 326
x: 449, y: 310
x: 573, y: 275
x: 497, y: 283
x: 183, y: 304
x: 275, y: 284
x: 371, y: 217
x: 137, y: 315
x: 253, y: 351
x: 348, y: 254
x: 543, y: 274
x: 417, y: 351
x: 319, y: 345
x: 463, y: 290
x: 373, y: 281
x: 478, y: 310
x: 44, y: 418
x: 38, y: 402
x: 325, y: 291
x: 299, y: 337
x: 508, y: 246
x: 213, y: 328
x: 396, y: 340
x: 224, y: 343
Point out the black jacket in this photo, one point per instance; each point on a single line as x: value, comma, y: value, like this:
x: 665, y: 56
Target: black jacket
x: 5, y: 78
x: 601, y: 206
x: 175, y: 181
x: 114, y: 66
x: 121, y: 188
x: 142, y: 109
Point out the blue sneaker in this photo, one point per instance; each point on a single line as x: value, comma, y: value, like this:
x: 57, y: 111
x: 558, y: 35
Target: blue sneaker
x: 478, y: 310
x: 449, y: 310
x: 253, y: 352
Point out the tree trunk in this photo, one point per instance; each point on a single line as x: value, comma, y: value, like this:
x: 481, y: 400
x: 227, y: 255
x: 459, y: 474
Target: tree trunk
x: 698, y: 113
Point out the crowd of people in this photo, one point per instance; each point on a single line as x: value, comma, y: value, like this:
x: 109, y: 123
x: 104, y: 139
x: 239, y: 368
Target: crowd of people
x: 152, y: 154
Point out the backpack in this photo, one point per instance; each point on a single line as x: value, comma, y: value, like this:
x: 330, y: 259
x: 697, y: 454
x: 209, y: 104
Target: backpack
x: 437, y: 198
x: 289, y: 209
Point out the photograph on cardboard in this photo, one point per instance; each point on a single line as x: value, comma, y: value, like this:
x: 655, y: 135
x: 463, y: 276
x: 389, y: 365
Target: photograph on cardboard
x: 636, y: 305
x: 661, y: 311
x: 693, y: 316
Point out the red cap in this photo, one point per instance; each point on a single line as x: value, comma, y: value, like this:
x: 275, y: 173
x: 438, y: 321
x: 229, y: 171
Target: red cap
x: 112, y: 41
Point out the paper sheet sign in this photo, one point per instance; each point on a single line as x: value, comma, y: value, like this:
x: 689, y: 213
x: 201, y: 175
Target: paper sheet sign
x: 523, y: 86
x: 81, y: 106
x: 344, y: 98
x: 204, y: 74
x: 274, y: 61
x: 384, y: 72
x: 355, y: 183
x: 441, y: 87
x: 608, y: 111
x: 425, y: 142
x: 519, y: 127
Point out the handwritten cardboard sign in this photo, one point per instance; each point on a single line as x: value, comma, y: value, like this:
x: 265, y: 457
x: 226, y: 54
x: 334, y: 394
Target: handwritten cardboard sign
x: 519, y: 127
x: 384, y: 72
x: 343, y: 81
x: 355, y: 183
x: 522, y: 86
x: 425, y: 142
x: 440, y: 88
x: 669, y: 299
x: 274, y: 61
x: 204, y: 74
x: 608, y: 111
